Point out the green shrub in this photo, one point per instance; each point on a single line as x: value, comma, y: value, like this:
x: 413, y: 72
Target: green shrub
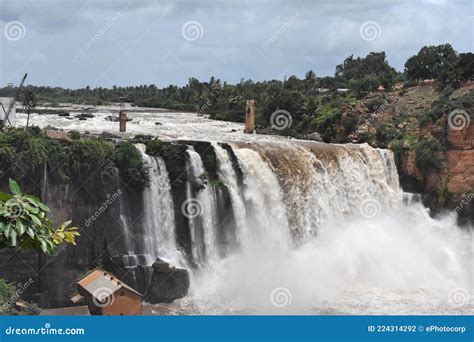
x: 8, y: 296
x: 75, y: 135
x: 174, y: 156
x: 129, y: 161
x: 426, y: 159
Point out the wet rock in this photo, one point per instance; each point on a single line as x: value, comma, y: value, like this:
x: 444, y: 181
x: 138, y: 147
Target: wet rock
x: 167, y: 283
x: 315, y: 136
x: 84, y: 116
x: 115, y: 118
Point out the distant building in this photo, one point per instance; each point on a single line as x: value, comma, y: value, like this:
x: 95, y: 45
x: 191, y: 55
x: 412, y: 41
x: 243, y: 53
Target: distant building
x: 10, y: 85
x: 5, y: 104
x: 105, y: 294
x: 342, y: 90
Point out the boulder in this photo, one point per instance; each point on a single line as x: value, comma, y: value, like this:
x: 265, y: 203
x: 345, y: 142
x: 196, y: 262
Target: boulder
x: 315, y: 136
x: 167, y: 283
x: 84, y: 116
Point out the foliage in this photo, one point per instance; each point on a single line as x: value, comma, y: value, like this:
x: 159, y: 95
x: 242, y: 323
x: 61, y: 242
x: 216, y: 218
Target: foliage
x: 385, y: 133
x: 426, y: 159
x: 130, y: 162
x: 365, y: 74
x: 174, y: 157
x: 8, y: 295
x: 74, y: 135
x: 24, y: 223
x: 87, y: 162
x: 442, y: 63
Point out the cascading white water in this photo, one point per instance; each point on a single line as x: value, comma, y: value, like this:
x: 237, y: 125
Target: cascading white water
x: 159, y: 237
x: 206, y: 200
x: 360, y: 250
x: 266, y: 213
x: 228, y: 176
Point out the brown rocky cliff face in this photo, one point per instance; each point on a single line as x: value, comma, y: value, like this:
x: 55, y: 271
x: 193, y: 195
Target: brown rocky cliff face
x: 457, y: 171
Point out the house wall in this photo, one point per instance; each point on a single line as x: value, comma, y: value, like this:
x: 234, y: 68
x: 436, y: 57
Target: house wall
x: 125, y: 303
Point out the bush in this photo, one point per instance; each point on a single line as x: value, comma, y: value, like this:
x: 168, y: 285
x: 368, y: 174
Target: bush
x: 385, y: 133
x: 174, y: 156
x: 130, y: 162
x: 426, y: 159
x: 8, y: 296
x: 74, y: 135
x: 374, y: 104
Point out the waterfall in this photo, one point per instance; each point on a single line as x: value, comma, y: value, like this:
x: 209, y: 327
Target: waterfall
x: 159, y: 227
x: 228, y: 176
x: 205, y: 200
x: 120, y: 210
x: 326, y: 226
x: 266, y: 212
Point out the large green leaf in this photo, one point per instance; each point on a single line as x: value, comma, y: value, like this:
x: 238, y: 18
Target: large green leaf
x: 13, y: 238
x: 14, y: 187
x: 30, y: 232
x: 31, y: 208
x: 20, y: 227
x: 35, y: 219
x: 43, y: 207
x: 7, y: 230
x: 4, y: 196
x: 32, y: 199
x: 44, y: 247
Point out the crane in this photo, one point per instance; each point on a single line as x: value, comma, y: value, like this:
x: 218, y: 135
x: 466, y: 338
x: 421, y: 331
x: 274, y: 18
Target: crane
x: 12, y: 103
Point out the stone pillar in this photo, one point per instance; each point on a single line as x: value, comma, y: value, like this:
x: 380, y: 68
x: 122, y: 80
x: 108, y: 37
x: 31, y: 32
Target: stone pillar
x: 250, y: 117
x: 123, y: 121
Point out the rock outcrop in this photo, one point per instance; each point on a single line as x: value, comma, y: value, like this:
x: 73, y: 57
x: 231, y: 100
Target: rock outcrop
x: 167, y: 283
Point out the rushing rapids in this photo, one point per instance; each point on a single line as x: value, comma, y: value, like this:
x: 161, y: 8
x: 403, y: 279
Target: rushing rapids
x: 312, y: 227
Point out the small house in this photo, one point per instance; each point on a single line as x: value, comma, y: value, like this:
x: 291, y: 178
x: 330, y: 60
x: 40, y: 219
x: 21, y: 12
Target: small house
x: 69, y: 311
x: 105, y: 294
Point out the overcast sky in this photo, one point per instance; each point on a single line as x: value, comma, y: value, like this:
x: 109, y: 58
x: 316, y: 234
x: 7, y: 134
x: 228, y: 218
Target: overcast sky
x: 75, y: 43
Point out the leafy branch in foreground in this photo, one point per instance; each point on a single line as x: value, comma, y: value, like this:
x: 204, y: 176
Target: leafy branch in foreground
x: 24, y: 223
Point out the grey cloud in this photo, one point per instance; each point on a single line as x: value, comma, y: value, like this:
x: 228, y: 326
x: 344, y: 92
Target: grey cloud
x: 80, y: 45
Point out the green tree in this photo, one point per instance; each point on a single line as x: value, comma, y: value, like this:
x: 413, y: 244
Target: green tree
x: 29, y: 102
x: 432, y: 62
x: 24, y: 223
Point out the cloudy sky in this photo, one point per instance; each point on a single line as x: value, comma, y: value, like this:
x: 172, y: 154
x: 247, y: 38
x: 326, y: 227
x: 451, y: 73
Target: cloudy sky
x: 75, y: 43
